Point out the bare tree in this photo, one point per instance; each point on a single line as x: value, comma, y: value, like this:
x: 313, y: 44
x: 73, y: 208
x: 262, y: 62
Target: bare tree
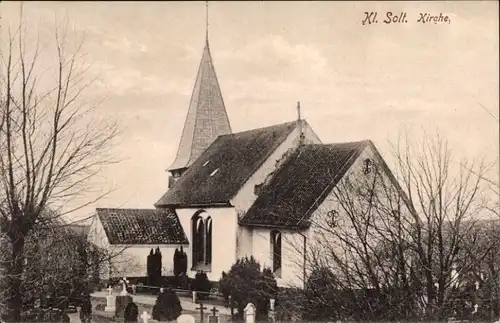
x: 50, y: 149
x: 402, y: 237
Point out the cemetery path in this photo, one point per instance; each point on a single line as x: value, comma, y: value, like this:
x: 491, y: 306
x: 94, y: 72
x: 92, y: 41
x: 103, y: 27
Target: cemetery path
x: 150, y: 300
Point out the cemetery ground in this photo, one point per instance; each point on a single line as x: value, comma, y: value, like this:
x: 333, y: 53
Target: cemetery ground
x: 145, y: 302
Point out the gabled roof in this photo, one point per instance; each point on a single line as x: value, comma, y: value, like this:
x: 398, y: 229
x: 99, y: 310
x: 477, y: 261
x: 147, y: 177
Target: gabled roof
x: 301, y: 184
x: 207, y: 117
x: 219, y: 173
x: 142, y: 226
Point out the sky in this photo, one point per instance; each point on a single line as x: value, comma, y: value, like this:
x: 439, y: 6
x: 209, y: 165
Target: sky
x: 353, y: 81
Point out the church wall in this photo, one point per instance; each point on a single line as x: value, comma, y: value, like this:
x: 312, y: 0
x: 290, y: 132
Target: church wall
x: 292, y: 260
x: 224, y: 238
x: 128, y: 260
x: 246, y: 195
x: 319, y: 234
x: 132, y: 260
x: 244, y: 242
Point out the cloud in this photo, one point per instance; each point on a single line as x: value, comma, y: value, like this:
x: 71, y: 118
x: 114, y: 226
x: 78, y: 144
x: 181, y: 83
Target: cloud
x: 274, y: 57
x: 122, y: 80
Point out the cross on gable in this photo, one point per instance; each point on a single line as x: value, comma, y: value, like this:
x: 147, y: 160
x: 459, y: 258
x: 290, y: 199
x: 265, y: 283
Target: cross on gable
x: 124, y: 280
x: 214, y: 311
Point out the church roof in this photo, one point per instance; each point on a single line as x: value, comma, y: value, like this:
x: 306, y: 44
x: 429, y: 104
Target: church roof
x: 206, y: 118
x: 142, y: 226
x: 219, y: 173
x: 301, y: 184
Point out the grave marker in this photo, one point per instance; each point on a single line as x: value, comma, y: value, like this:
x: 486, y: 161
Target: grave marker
x: 214, y: 318
x: 250, y: 313
x: 145, y: 317
x: 186, y: 318
x: 110, y: 301
x: 202, y: 315
x: 124, y: 291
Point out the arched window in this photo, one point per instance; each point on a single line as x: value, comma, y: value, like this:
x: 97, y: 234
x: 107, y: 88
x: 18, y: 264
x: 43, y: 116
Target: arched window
x: 208, y: 241
x: 276, y: 252
x: 201, y: 232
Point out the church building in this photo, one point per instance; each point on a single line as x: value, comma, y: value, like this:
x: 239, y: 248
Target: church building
x: 233, y: 194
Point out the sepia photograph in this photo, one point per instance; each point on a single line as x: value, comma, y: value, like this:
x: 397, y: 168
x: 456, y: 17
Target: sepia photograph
x: 249, y: 161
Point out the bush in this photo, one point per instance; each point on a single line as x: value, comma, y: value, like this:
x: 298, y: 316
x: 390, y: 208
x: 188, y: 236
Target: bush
x: 167, y: 307
x: 201, y: 284
x: 131, y: 313
x: 121, y: 304
x: 320, y: 301
x: 246, y: 283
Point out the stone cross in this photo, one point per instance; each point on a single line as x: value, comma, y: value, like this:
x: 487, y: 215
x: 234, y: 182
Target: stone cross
x: 475, y: 309
x: 214, y: 318
x: 145, y: 317
x: 201, y: 308
x: 110, y: 302
x: 110, y: 290
x: 477, y: 285
x: 249, y: 313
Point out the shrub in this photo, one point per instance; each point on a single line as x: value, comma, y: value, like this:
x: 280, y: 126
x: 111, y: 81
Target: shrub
x: 131, y: 313
x: 121, y: 304
x: 246, y: 283
x: 201, y: 284
x: 320, y: 301
x: 167, y: 307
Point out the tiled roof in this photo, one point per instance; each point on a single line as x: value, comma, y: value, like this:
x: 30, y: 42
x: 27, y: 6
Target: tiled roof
x: 207, y: 117
x: 301, y: 184
x: 218, y: 174
x: 142, y: 226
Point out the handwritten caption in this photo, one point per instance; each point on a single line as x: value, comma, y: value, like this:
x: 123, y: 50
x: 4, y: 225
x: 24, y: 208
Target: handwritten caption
x: 402, y: 18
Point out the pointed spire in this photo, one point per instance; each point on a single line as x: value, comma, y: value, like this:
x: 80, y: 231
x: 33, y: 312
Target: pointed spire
x: 207, y: 117
x: 206, y: 22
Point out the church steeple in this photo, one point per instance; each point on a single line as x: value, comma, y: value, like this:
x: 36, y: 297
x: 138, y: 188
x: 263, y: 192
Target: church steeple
x: 207, y: 117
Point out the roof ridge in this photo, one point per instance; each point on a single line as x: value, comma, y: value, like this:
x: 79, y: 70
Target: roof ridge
x: 258, y: 129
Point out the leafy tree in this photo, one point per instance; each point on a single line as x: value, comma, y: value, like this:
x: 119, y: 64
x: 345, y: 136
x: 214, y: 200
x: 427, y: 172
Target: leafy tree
x: 201, y: 284
x: 320, y: 285
x: 246, y: 283
x: 167, y: 307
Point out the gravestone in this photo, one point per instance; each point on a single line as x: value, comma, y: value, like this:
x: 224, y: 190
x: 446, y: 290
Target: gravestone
x: 214, y: 317
x: 186, y: 318
x: 250, y: 313
x: 145, y: 317
x: 110, y: 301
x: 124, y: 291
x: 131, y: 313
x: 202, y: 315
x: 272, y: 313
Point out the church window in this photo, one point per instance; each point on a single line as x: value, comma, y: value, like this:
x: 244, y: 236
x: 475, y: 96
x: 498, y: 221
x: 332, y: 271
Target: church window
x: 276, y: 252
x: 214, y: 172
x: 201, y: 231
